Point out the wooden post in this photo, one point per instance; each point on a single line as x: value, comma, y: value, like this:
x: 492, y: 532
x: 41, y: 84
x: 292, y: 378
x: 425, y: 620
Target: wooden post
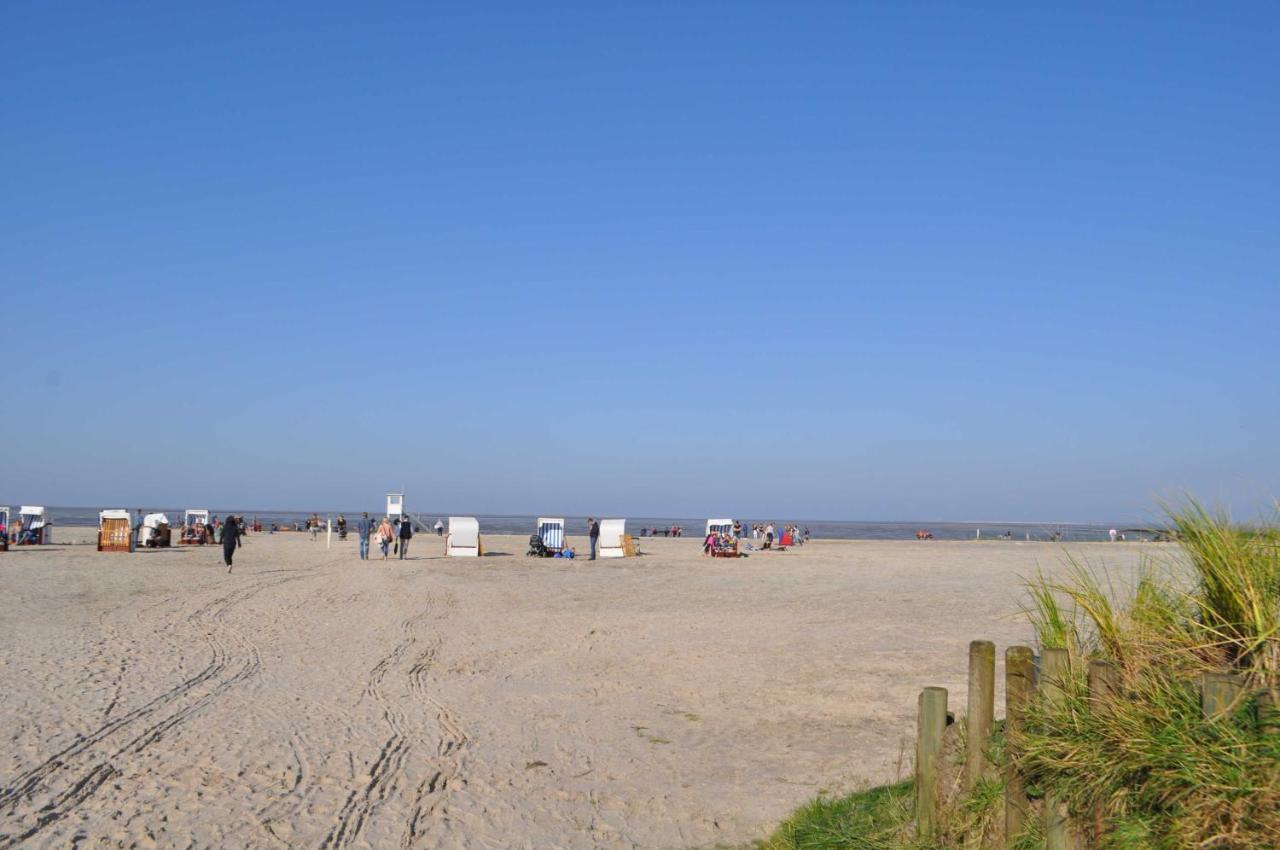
x: 982, y: 708
x: 1104, y: 683
x: 1019, y: 687
x: 931, y: 723
x: 1218, y: 694
x: 1104, y: 689
x: 1055, y: 668
x: 1268, y: 713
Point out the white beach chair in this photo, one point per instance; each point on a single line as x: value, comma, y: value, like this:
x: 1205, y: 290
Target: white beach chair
x: 551, y: 530
x: 610, y: 544
x: 192, y: 517
x: 154, y: 531
x: 719, y: 526
x: 463, y: 539
x: 33, y: 520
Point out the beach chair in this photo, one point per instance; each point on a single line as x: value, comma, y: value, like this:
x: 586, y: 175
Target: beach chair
x: 115, y: 531
x: 154, y: 532
x: 35, y: 527
x: 718, y: 526
x: 191, y: 518
x: 551, y: 531
x: 724, y: 547
x: 463, y: 539
x: 611, y: 543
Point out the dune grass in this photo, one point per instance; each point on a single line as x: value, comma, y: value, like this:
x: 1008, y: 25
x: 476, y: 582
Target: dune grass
x: 877, y: 819
x: 1140, y: 769
x: 1144, y: 768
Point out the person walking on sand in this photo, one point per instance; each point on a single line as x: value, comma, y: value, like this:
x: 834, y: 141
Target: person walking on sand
x: 364, y: 528
x: 385, y: 533
x: 230, y: 539
x: 406, y: 532
x: 593, y: 534
x: 439, y: 528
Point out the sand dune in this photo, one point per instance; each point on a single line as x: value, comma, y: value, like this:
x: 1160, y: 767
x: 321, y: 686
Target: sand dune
x: 313, y: 700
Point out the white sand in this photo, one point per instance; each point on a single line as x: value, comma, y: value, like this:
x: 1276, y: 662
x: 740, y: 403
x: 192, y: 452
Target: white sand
x: 313, y: 700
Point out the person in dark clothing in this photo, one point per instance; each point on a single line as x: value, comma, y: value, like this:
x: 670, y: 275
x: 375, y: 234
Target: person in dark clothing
x: 230, y: 539
x: 406, y: 532
x: 593, y: 532
x: 364, y: 528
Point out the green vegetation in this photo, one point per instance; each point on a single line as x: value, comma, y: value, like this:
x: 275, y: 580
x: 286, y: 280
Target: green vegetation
x: 1140, y: 768
x: 879, y: 819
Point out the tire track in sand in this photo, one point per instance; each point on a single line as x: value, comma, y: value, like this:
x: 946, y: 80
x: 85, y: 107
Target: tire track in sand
x: 75, y: 773
x: 430, y: 793
x: 387, y: 771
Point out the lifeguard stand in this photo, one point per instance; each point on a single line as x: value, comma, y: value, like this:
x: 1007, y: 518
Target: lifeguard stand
x: 395, y: 505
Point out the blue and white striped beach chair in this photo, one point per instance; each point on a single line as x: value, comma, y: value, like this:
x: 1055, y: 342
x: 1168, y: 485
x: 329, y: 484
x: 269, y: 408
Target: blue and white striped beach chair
x: 551, y: 530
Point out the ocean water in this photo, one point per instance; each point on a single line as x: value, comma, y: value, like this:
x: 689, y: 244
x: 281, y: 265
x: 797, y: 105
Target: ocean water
x: 693, y: 527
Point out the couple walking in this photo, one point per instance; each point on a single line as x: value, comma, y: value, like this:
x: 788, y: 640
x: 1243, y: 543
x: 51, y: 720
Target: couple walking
x: 383, y: 534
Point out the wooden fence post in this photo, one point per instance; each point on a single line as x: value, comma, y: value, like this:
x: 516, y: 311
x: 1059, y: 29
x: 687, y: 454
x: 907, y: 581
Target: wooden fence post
x: 1104, y: 682
x: 1055, y: 668
x: 1104, y: 688
x: 1019, y: 687
x: 931, y: 724
x: 982, y: 708
x: 1218, y: 694
x: 1268, y: 713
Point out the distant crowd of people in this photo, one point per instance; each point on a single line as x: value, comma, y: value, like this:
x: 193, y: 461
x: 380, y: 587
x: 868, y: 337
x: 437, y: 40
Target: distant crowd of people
x: 791, y: 535
x: 721, y: 542
x: 669, y: 531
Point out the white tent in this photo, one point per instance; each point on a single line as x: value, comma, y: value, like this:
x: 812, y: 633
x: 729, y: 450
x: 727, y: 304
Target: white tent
x: 551, y: 530
x: 464, y: 537
x: 610, y: 545
x: 719, y: 526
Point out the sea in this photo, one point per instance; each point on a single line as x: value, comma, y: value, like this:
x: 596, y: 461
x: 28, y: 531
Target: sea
x: 693, y: 527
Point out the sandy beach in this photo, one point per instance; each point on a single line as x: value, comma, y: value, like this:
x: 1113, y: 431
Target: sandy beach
x: 310, y: 699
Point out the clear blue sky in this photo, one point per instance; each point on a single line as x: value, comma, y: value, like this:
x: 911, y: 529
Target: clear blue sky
x: 819, y: 260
